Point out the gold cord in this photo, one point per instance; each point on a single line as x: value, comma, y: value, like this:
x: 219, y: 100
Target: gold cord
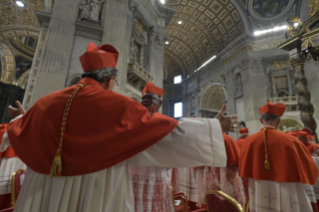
x: 266, y: 163
x: 56, y: 167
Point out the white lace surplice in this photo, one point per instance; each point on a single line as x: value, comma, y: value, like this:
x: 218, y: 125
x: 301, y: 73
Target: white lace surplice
x: 7, y: 167
x: 185, y: 181
x: 270, y: 196
x: 189, y: 144
x: 151, y: 187
x: 225, y: 179
x: 316, y: 187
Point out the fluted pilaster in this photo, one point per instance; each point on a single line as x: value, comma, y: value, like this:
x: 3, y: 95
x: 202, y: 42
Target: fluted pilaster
x: 53, y: 67
x: 117, y: 32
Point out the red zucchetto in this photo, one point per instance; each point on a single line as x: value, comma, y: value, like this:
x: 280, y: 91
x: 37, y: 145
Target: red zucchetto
x: 149, y: 87
x: 96, y: 58
x: 275, y: 109
x: 243, y: 130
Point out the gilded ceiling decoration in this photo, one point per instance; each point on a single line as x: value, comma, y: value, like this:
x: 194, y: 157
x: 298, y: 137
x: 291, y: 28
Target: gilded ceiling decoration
x: 19, y: 21
x: 206, y: 27
x: 312, y: 6
x: 213, y: 98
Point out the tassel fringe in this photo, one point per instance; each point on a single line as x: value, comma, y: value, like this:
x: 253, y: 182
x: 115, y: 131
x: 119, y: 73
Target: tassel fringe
x: 267, y: 165
x: 56, y: 167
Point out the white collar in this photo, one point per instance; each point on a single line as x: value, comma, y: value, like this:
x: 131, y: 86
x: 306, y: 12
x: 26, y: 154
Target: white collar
x: 269, y: 126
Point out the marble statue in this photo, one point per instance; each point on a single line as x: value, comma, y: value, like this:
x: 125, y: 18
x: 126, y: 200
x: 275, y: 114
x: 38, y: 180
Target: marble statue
x: 90, y: 9
x: 238, y: 83
x: 96, y: 8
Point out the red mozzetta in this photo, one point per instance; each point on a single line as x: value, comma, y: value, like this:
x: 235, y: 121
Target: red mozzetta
x: 103, y: 128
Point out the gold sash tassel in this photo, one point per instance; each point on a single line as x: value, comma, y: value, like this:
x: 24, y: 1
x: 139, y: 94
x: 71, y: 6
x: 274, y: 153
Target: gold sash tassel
x: 266, y: 163
x: 56, y: 167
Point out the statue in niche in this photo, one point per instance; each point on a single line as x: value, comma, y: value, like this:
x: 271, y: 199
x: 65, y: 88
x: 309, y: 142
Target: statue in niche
x: 135, y: 52
x: 96, y: 6
x: 90, y: 10
x: 238, y: 83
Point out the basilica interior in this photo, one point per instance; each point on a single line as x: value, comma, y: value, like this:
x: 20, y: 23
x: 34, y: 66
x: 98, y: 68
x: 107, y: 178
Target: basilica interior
x: 204, y: 53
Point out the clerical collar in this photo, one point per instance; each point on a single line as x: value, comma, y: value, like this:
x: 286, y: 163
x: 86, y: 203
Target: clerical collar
x: 269, y: 126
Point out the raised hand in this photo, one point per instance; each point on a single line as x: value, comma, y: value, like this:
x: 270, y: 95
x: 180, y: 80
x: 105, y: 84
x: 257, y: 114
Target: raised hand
x: 14, y: 112
x: 227, y: 123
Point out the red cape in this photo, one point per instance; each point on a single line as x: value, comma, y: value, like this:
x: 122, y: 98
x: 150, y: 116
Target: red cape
x: 289, y: 159
x: 232, y: 150
x: 103, y: 128
x: 240, y: 141
x: 9, y: 153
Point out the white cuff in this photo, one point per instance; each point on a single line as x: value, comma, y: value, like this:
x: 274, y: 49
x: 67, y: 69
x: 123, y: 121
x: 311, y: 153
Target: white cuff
x: 219, y: 158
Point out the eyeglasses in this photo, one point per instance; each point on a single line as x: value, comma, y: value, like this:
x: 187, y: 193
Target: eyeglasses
x: 117, y: 84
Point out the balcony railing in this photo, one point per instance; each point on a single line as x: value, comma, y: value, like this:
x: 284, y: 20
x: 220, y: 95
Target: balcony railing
x: 291, y: 102
x: 137, y: 76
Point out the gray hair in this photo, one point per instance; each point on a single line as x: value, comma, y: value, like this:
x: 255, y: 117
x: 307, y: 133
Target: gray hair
x: 269, y: 117
x: 101, y: 75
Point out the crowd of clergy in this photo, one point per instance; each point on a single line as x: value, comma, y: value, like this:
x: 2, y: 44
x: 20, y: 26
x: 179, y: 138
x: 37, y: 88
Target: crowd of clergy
x: 88, y: 149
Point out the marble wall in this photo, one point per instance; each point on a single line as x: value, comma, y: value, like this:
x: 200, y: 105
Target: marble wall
x: 250, y: 57
x: 66, y: 34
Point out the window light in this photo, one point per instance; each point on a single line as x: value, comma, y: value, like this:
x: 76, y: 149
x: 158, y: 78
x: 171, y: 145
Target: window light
x: 178, y: 110
x: 177, y: 79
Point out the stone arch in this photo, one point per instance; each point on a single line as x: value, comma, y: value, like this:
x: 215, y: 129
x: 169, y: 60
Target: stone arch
x: 8, y: 64
x: 290, y: 124
x: 23, y: 79
x: 214, y: 96
x: 19, y: 31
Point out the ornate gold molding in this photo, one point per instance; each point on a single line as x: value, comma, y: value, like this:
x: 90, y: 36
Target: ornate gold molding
x: 8, y: 64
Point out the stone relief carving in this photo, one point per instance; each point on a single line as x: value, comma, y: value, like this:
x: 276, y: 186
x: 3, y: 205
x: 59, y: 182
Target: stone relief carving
x: 90, y: 11
x: 139, y: 44
x: 279, y: 78
x: 221, y: 80
x: 281, y: 83
x: 238, y: 83
x: 159, y: 40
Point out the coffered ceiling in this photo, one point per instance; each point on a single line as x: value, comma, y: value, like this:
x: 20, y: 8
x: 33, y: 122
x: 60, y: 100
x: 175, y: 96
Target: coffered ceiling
x: 199, y: 30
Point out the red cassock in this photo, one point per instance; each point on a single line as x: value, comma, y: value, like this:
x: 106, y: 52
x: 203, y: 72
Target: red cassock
x: 9, y: 153
x: 103, y: 128
x: 240, y: 141
x: 289, y: 159
x: 232, y: 150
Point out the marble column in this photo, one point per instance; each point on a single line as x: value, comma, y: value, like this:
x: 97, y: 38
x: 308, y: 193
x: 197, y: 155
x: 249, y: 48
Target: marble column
x: 304, y: 96
x: 157, y: 59
x: 312, y: 74
x: 34, y: 69
x: 118, y: 23
x: 53, y: 67
x: 254, y: 93
x: 231, y: 108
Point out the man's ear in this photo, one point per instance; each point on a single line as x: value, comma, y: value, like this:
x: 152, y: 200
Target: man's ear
x: 261, y: 121
x: 160, y: 103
